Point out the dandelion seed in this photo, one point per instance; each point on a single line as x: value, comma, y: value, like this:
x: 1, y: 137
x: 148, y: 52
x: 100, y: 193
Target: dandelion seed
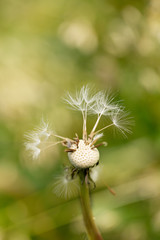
x: 65, y: 188
x: 83, y: 101
x: 37, y: 140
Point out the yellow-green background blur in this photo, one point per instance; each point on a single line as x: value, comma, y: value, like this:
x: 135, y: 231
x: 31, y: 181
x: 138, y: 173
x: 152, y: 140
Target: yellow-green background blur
x: 50, y: 47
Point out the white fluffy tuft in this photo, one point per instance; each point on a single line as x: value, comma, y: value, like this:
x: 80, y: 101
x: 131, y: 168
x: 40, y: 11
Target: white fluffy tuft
x: 82, y: 101
x: 122, y: 121
x: 104, y: 104
x: 65, y: 188
x: 36, y: 138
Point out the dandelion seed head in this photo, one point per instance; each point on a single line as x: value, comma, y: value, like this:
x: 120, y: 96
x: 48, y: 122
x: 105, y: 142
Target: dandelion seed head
x: 84, y: 156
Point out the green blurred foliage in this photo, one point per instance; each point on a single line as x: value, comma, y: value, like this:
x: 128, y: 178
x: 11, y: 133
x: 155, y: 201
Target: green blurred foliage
x: 48, y: 48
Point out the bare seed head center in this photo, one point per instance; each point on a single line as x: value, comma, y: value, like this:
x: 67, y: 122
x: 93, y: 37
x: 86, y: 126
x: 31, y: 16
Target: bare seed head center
x: 84, y: 155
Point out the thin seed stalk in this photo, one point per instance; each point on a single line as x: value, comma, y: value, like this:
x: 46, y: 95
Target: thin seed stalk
x: 84, y: 125
x: 92, y: 230
x: 96, y: 124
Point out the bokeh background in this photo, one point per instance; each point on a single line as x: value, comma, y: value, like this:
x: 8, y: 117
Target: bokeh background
x: 48, y: 48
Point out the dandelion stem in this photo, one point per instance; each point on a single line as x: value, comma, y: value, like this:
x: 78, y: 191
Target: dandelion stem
x: 92, y: 230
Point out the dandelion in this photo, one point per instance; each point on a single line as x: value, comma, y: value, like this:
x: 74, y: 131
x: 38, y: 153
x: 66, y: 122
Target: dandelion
x: 83, y: 153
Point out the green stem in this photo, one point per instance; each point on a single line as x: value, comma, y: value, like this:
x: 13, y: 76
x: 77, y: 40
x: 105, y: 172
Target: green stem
x: 92, y: 230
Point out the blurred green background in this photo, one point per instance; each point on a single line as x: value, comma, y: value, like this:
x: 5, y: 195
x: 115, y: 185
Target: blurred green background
x: 48, y: 48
